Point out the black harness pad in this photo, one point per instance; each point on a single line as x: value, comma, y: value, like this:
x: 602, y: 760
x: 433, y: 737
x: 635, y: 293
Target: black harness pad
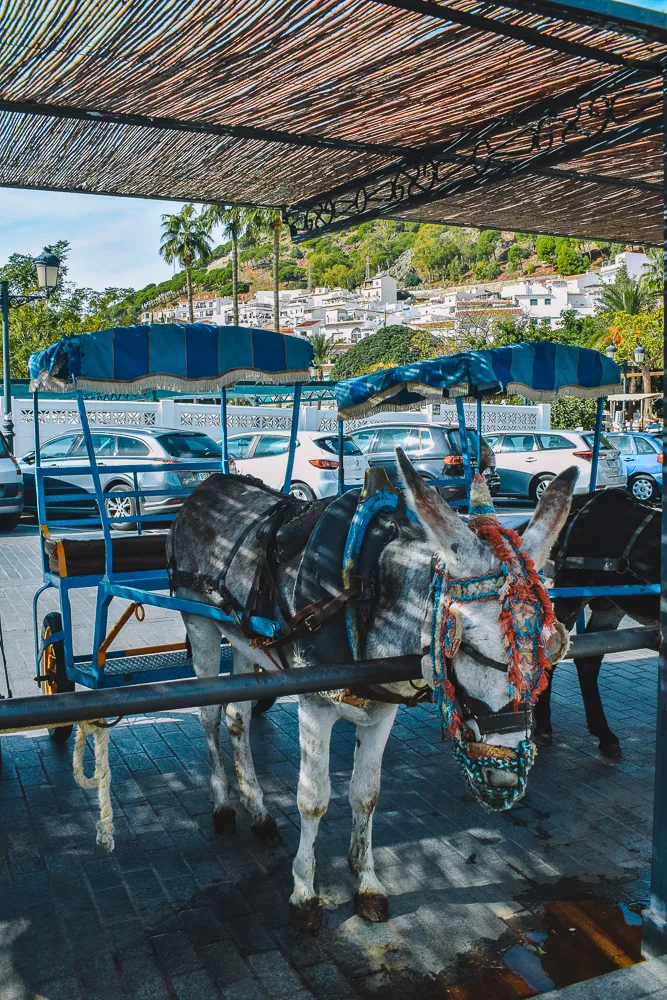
x: 320, y: 575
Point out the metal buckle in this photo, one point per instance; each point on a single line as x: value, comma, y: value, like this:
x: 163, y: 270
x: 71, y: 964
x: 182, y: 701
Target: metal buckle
x: 311, y: 623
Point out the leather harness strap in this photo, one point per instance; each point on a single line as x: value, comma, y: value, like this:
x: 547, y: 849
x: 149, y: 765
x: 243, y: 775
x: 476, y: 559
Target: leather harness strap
x: 619, y: 565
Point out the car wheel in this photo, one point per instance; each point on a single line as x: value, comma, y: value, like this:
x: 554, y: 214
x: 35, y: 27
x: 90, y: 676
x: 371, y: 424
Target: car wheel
x: 9, y: 521
x: 301, y: 491
x: 121, y: 506
x: 539, y: 485
x: 644, y: 488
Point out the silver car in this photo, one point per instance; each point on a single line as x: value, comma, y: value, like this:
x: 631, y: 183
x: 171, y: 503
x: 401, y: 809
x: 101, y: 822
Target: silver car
x: 11, y: 488
x: 116, y: 447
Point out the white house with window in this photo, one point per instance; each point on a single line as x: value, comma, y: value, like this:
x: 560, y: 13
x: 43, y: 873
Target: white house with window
x: 545, y: 300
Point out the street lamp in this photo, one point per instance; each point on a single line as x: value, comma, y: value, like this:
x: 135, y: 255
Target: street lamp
x: 639, y: 354
x: 47, y: 265
x: 610, y: 351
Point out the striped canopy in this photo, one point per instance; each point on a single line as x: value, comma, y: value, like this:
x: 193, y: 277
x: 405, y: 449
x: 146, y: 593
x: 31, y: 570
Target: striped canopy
x: 541, y: 372
x: 193, y: 357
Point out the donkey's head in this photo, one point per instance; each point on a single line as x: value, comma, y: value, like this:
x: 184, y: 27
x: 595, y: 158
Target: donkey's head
x: 490, y: 634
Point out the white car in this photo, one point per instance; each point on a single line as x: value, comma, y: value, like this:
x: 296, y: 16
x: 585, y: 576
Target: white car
x: 11, y: 488
x: 527, y: 462
x: 263, y: 454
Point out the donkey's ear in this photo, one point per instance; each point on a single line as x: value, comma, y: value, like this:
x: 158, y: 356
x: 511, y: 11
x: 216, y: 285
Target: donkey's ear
x: 550, y: 516
x: 445, y: 529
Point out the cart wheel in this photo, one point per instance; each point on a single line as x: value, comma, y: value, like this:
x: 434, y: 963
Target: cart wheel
x: 262, y: 705
x: 57, y: 681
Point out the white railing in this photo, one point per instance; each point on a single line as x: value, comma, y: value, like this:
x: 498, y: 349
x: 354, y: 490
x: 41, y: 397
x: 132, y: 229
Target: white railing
x: 58, y: 417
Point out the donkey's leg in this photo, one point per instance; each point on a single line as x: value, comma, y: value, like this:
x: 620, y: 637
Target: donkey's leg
x: 567, y: 611
x: 370, y: 901
x: 316, y: 720
x: 237, y: 717
x: 204, y: 638
x: 604, y: 618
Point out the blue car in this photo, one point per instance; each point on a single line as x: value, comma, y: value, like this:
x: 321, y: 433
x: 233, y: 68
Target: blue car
x: 641, y: 456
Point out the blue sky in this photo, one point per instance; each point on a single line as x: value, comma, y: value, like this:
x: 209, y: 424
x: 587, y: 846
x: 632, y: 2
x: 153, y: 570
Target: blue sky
x: 114, y: 240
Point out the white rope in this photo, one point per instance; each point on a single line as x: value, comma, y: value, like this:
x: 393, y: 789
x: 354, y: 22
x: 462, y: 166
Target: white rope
x: 101, y: 779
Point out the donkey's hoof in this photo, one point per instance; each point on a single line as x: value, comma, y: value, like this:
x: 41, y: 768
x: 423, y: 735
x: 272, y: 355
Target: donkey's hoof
x: 611, y: 749
x: 224, y: 821
x: 543, y: 739
x: 267, y: 832
x: 371, y: 906
x: 306, y: 916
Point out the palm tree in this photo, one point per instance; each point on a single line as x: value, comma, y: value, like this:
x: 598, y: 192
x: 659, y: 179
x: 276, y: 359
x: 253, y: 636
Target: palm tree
x: 653, y: 277
x: 186, y: 238
x: 322, y: 348
x: 235, y: 220
x: 269, y: 219
x: 626, y: 295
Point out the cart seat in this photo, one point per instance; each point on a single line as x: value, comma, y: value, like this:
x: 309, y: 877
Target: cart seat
x: 83, y: 555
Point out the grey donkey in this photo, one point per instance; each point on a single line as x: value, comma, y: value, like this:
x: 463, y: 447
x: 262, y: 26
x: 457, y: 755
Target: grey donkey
x: 214, y: 538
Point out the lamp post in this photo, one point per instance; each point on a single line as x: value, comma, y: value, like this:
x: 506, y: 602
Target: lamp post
x: 610, y: 351
x: 639, y: 354
x: 47, y: 265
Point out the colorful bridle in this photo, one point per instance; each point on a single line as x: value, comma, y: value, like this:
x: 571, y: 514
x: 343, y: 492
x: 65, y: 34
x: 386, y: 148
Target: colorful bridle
x: 533, y: 640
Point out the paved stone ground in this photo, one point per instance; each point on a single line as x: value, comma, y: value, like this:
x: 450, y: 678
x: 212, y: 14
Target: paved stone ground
x: 177, y: 913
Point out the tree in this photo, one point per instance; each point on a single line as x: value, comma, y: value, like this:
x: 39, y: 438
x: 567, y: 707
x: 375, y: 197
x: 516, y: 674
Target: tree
x: 545, y: 248
x: 322, y: 348
x: 568, y: 413
x: 186, y: 238
x: 653, y: 277
x: 487, y: 243
x: 626, y: 295
x: 568, y: 258
x: 269, y: 219
x: 235, y: 221
x: 390, y: 346
x: 21, y: 271
x: 626, y: 330
x: 429, y: 256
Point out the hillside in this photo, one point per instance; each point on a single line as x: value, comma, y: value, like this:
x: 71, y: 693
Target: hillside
x: 419, y: 256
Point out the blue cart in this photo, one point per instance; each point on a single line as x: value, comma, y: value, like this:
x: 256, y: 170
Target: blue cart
x: 131, y: 565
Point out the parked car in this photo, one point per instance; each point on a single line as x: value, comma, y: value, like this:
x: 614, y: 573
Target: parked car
x: 11, y: 488
x: 115, y: 447
x: 434, y: 450
x: 528, y: 462
x: 315, y: 474
x: 641, y: 456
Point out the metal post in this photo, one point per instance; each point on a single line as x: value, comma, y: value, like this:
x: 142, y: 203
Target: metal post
x: 465, y: 451
x: 654, y: 937
x: 7, y: 420
x: 341, y: 458
x: 292, y: 438
x: 479, y: 432
x: 224, y: 435
x: 596, y: 445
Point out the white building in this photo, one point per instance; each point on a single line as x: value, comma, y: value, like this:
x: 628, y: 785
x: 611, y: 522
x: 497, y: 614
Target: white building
x: 634, y: 262
x: 545, y: 300
x: 382, y: 288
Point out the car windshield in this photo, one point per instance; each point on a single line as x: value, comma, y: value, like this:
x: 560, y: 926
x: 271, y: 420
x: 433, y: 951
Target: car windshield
x: 190, y: 445
x: 331, y: 444
x: 590, y: 441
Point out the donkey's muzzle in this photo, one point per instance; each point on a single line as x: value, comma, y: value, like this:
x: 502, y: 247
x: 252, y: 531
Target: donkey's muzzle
x: 496, y: 775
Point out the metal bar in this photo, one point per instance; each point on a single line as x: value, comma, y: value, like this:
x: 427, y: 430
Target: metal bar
x: 528, y: 35
x: 479, y: 432
x: 634, y: 590
x: 463, y: 437
x: 596, y: 445
x: 292, y: 438
x: 306, y: 139
x: 225, y: 434
x: 7, y: 420
x: 341, y: 458
x: 654, y: 935
x: 158, y: 697
x: 430, y: 190
x: 606, y: 179
x: 97, y: 483
x: 627, y: 18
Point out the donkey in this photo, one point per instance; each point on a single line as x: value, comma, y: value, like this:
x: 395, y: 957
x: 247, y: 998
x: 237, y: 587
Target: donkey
x: 215, y: 555
x: 610, y: 539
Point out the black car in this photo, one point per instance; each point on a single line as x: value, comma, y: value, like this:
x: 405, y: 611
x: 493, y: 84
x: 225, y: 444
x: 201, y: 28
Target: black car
x: 434, y: 450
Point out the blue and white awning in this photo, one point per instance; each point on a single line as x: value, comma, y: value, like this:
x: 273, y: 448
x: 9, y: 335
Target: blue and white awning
x: 193, y: 357
x: 541, y: 372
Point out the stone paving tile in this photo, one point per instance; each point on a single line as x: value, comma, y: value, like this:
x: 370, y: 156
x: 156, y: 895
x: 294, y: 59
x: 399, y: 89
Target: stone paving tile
x: 177, y: 912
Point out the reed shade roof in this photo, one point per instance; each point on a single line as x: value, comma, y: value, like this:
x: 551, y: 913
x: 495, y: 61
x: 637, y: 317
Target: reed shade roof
x: 306, y: 95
